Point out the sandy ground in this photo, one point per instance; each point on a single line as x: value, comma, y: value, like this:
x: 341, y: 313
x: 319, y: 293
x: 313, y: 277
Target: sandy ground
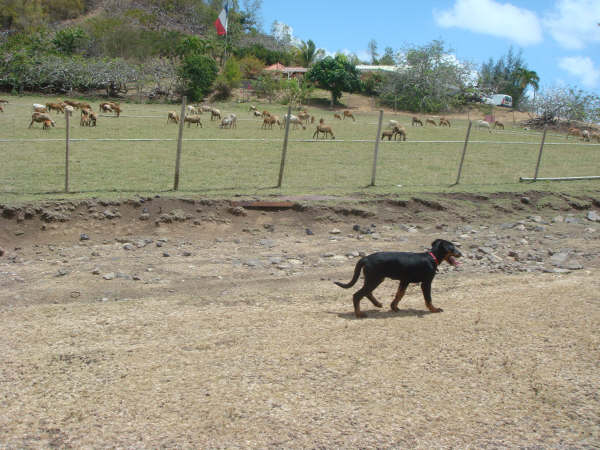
x: 239, y: 338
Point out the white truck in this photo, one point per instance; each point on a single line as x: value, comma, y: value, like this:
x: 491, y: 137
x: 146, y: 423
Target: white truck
x: 499, y: 100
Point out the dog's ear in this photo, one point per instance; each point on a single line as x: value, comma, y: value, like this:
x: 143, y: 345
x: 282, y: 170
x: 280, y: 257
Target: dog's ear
x: 436, y: 243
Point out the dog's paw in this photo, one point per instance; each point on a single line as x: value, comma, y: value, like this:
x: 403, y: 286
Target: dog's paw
x: 360, y: 315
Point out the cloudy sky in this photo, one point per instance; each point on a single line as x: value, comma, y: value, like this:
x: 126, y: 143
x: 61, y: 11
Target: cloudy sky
x: 559, y: 39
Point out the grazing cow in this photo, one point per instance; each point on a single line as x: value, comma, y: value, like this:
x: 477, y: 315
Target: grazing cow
x: 483, y: 124
x: 172, y: 116
x: 322, y: 128
x: 193, y: 119
x: 416, y: 122
x: 294, y: 120
x: 41, y: 118
x: 574, y: 132
x: 347, y: 113
x: 215, y: 114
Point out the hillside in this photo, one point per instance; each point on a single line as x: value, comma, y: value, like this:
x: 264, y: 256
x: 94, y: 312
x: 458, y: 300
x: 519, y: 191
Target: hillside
x: 186, y: 16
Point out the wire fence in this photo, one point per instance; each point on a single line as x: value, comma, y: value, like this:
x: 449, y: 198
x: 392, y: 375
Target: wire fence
x: 114, y: 159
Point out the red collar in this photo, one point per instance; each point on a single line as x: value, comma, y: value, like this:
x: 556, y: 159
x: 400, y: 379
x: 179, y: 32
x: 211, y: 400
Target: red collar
x: 437, y: 263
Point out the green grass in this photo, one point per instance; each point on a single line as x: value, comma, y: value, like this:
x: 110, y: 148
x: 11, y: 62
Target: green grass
x: 34, y: 169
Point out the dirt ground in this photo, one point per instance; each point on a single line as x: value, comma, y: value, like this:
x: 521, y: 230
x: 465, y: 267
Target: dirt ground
x: 192, y: 323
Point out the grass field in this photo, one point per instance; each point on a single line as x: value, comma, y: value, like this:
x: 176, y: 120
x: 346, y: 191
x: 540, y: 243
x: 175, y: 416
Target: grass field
x: 34, y: 159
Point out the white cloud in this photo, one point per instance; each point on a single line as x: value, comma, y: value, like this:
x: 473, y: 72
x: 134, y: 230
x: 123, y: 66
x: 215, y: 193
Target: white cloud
x: 583, y: 68
x: 502, y: 20
x: 574, y: 23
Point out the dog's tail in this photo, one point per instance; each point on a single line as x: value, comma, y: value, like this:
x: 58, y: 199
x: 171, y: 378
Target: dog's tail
x: 357, y: 269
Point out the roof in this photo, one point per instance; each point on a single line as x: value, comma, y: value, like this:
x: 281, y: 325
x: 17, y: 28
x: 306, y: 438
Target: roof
x: 281, y: 68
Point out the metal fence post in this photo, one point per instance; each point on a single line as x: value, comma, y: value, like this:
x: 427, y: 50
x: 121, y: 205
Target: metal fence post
x: 285, y: 144
x: 537, y: 167
x: 179, y: 142
x: 462, y: 158
x: 375, y: 153
x: 67, y: 115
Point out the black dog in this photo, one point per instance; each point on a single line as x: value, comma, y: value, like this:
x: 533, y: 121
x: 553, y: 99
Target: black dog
x: 404, y: 266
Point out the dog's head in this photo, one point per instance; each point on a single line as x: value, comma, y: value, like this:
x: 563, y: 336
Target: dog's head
x: 446, y: 251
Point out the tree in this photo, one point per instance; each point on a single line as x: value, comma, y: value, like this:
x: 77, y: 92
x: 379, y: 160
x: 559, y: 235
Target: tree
x: 336, y: 75
x: 232, y: 72
x: 308, y: 53
x: 373, y: 51
x: 504, y: 76
x: 198, y: 73
x: 528, y: 78
x: 251, y: 67
x: 267, y: 85
x: 251, y: 17
x: 568, y: 103
x: 69, y: 40
x: 429, y: 80
x: 189, y: 45
x: 21, y: 15
x: 388, y: 57
x: 282, y: 33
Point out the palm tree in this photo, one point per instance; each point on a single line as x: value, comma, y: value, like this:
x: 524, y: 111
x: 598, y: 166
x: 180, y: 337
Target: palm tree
x: 308, y: 53
x: 528, y: 78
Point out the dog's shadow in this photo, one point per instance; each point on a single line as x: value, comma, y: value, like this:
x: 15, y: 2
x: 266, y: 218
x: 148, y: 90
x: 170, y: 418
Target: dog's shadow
x: 383, y: 314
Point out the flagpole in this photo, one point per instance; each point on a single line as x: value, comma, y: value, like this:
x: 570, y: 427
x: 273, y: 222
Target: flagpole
x: 226, y: 31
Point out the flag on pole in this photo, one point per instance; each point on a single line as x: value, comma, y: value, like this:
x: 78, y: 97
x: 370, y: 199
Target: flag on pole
x: 221, y: 22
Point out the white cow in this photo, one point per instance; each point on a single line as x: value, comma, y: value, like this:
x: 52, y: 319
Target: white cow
x: 484, y: 124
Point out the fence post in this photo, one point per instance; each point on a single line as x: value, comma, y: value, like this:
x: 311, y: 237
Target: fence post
x: 537, y: 167
x: 285, y: 144
x: 462, y: 158
x: 179, y: 141
x: 67, y: 115
x: 376, y: 148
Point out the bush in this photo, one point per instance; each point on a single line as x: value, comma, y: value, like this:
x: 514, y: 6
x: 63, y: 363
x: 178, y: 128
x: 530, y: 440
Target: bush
x: 59, y: 74
x: 267, y: 85
x: 198, y: 73
x: 251, y: 67
x: 232, y: 73
x: 264, y: 54
x: 222, y: 90
x: 69, y: 40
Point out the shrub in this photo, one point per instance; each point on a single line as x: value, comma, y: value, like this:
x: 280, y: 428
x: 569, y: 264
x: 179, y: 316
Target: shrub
x: 198, y: 73
x: 267, y: 85
x: 68, y: 40
x: 251, y: 67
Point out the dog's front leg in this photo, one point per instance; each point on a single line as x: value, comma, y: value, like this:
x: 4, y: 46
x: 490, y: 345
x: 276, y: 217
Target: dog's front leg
x: 426, y: 288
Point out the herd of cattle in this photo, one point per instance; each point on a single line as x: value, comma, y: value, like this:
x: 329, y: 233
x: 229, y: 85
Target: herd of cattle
x: 89, y: 118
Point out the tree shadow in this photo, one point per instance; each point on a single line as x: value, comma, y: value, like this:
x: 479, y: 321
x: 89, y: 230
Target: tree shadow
x: 384, y: 314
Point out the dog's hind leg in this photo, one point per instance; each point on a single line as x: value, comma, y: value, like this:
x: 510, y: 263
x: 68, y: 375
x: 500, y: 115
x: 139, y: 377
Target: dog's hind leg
x: 366, y: 291
x: 399, y: 294
x: 426, y: 288
x: 374, y: 300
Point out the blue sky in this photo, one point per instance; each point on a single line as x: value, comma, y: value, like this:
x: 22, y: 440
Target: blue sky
x: 559, y: 39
